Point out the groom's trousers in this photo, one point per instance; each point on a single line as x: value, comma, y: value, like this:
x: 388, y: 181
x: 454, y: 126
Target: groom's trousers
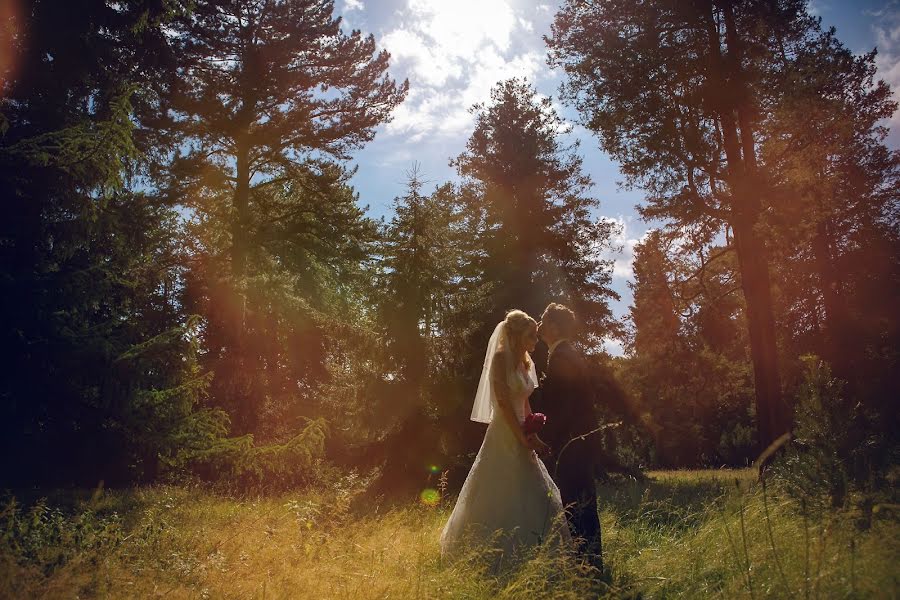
x: 575, y: 479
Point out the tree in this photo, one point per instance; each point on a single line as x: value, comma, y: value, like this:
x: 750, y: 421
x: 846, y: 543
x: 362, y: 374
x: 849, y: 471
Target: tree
x: 271, y: 95
x: 306, y: 273
x: 420, y: 266
x: 687, y: 361
x: 539, y: 239
x: 653, y: 312
x: 100, y: 380
x: 836, y: 206
x: 679, y: 93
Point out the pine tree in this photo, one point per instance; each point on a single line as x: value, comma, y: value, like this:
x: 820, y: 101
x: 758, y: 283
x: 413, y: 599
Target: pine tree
x: 420, y: 262
x: 679, y: 92
x: 306, y: 273
x: 539, y: 238
x: 271, y: 95
x: 838, y: 202
x: 653, y: 312
x: 99, y: 379
x: 688, y: 362
x: 834, y: 225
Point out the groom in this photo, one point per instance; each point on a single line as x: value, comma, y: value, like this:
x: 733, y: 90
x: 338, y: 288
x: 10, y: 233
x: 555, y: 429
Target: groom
x: 566, y: 398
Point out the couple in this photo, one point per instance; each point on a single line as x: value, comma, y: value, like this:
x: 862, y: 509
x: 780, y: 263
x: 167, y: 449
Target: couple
x: 509, y: 499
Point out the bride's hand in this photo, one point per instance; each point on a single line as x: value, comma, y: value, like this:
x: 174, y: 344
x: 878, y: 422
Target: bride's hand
x: 537, y: 444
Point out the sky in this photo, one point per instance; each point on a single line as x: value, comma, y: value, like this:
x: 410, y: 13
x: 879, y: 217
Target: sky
x: 453, y: 52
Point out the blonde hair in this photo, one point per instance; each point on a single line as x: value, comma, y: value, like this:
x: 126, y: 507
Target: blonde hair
x: 517, y: 323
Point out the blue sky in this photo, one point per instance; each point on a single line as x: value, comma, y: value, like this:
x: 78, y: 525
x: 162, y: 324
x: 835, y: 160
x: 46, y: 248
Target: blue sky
x: 453, y: 51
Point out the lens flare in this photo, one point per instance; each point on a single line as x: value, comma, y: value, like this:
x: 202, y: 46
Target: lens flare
x: 434, y: 469
x: 11, y: 38
x: 430, y: 497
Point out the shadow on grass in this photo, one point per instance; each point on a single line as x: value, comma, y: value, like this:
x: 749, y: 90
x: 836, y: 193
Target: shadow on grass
x: 675, y: 502
x: 74, y: 500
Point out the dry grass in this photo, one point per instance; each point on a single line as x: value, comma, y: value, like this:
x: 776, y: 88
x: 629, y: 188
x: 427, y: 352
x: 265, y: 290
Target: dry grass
x: 679, y: 535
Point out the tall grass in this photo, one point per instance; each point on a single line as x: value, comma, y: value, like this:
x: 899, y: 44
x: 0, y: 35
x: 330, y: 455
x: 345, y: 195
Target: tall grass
x: 682, y: 534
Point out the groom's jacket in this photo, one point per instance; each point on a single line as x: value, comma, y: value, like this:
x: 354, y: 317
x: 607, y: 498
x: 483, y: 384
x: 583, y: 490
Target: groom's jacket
x: 566, y: 397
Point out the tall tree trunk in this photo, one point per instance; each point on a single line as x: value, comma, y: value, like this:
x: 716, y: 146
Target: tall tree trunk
x: 239, y: 225
x: 836, y: 343
x: 733, y: 108
x: 771, y: 412
x: 241, y: 367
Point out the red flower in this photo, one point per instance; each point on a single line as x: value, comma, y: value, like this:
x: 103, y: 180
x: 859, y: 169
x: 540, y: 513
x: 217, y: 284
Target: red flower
x: 533, y: 423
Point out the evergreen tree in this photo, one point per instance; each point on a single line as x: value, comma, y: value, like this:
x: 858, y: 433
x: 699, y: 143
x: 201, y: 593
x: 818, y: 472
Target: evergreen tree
x: 307, y: 272
x: 420, y: 262
x: 653, y: 312
x: 271, y: 95
x: 539, y: 239
x: 99, y: 379
x: 837, y: 204
x: 679, y: 93
x: 687, y: 362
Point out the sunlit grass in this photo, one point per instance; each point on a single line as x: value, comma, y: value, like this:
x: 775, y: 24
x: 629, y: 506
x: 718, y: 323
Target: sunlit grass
x: 678, y: 535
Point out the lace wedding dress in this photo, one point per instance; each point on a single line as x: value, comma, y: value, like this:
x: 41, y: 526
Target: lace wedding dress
x: 508, y: 501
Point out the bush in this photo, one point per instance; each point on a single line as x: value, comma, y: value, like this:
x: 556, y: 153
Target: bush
x: 833, y: 445
x: 238, y: 464
x: 46, y: 538
x: 737, y: 444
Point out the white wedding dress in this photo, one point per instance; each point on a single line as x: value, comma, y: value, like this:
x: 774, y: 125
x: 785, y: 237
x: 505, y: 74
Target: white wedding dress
x: 508, y: 501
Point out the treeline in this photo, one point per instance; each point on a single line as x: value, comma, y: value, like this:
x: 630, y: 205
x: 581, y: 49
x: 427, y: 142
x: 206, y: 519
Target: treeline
x: 190, y: 284
x: 759, y: 138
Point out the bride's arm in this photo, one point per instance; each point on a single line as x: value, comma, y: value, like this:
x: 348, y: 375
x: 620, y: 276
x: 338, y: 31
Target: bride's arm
x: 535, y: 442
x: 501, y: 389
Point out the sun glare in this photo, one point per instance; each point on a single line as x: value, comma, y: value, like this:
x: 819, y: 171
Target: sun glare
x: 9, y: 34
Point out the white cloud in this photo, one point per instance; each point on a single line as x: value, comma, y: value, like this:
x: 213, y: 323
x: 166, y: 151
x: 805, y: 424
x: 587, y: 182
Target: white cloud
x: 432, y: 68
x: 453, y: 53
x: 817, y: 7
x: 623, y: 243
x: 613, y: 346
x: 353, y: 5
x: 887, y: 39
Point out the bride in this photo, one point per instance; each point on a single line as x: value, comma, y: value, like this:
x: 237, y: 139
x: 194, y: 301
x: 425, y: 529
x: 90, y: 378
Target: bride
x: 508, y: 498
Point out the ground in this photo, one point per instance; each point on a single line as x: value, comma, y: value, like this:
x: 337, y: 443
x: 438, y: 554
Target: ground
x: 682, y: 534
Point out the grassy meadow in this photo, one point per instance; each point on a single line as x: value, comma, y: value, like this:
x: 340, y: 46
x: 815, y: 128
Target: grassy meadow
x: 684, y: 534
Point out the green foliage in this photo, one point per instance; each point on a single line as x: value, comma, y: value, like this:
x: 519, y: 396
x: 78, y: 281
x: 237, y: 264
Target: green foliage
x: 750, y: 123
x: 45, y: 537
x: 308, y: 268
x: 539, y: 241
x: 269, y: 101
x: 102, y: 381
x: 737, y: 444
x: 238, y: 464
x: 834, y: 446
x: 420, y: 282
x: 96, y: 151
x: 687, y: 364
x: 191, y: 287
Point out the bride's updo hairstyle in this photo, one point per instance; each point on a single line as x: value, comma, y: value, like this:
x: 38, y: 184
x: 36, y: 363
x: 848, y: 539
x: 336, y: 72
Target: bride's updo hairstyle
x: 517, y: 323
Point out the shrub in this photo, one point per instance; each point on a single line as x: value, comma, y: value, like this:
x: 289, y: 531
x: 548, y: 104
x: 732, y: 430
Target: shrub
x: 833, y: 445
x: 238, y: 464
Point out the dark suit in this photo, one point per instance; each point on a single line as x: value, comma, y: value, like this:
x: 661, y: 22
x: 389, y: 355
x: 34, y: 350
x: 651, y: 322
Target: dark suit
x: 566, y: 397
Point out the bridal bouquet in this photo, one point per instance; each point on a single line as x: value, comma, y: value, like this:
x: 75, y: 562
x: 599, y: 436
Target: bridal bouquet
x: 533, y: 423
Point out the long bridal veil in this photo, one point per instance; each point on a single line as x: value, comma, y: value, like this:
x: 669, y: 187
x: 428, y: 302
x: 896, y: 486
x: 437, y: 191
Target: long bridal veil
x: 483, y: 407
